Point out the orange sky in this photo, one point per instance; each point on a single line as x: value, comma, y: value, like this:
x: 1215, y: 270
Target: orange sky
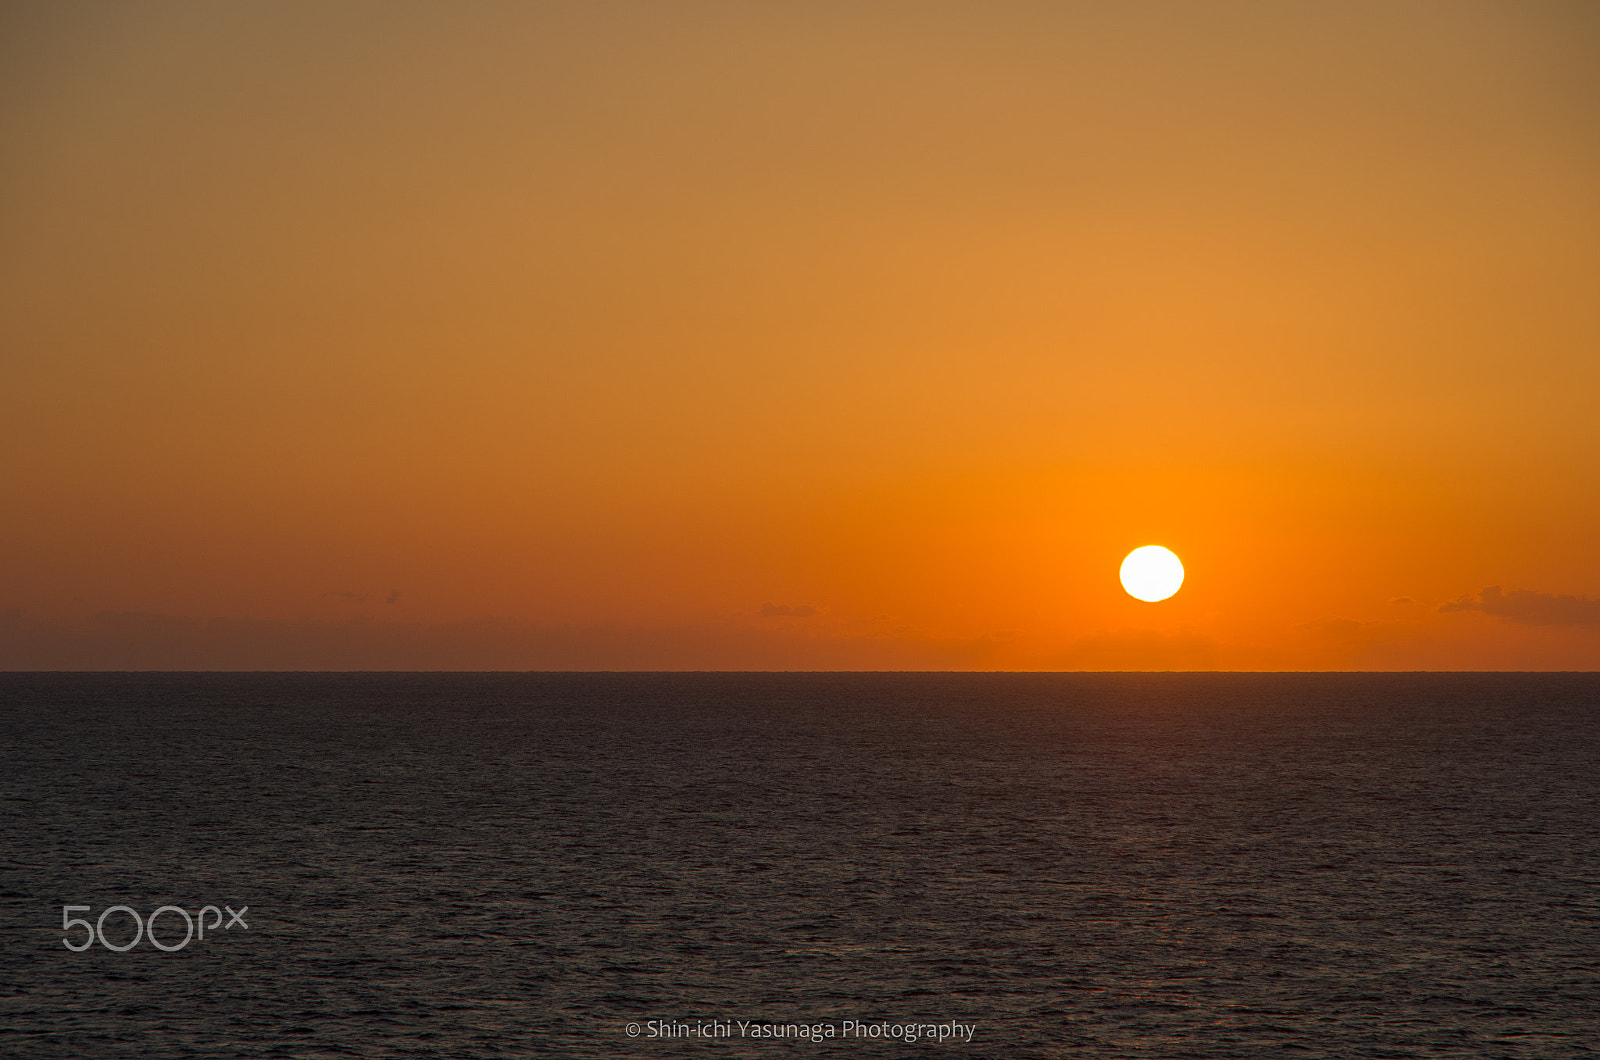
x: 812, y: 335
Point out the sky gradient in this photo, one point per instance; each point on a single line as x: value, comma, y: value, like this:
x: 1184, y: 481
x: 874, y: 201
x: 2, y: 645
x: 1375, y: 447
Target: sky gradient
x: 799, y: 336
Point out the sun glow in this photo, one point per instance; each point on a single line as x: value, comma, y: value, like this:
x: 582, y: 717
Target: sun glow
x: 1151, y: 573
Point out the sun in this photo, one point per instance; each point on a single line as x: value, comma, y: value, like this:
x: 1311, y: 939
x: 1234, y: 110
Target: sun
x: 1151, y: 573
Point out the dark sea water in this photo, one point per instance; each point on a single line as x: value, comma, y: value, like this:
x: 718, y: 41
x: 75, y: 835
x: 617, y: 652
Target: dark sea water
x: 511, y: 865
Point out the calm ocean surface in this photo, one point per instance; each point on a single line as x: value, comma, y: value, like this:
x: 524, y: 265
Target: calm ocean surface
x: 509, y: 865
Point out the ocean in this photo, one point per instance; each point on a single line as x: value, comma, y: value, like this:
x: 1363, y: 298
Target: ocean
x: 764, y: 865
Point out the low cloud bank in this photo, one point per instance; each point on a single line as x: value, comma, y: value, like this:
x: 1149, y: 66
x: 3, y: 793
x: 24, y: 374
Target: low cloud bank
x: 785, y: 611
x: 1530, y: 608
x: 1142, y: 650
x: 144, y: 641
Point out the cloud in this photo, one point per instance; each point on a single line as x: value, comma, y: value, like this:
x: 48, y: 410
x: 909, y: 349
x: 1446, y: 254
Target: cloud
x: 1366, y: 645
x: 144, y: 641
x: 1530, y: 608
x: 1141, y: 650
x: 1340, y: 628
x: 782, y: 610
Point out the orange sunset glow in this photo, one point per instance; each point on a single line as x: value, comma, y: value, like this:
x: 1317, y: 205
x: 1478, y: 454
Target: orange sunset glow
x: 838, y: 336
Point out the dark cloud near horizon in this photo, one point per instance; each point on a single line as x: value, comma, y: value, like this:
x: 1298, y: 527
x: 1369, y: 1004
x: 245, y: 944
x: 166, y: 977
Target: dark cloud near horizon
x: 1369, y: 645
x: 361, y: 598
x: 784, y: 610
x: 1530, y: 608
x: 112, y: 640
x: 1142, y: 650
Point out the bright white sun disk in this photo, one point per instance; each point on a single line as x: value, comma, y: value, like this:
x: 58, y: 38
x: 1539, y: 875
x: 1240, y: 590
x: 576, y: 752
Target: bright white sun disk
x: 1151, y: 573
